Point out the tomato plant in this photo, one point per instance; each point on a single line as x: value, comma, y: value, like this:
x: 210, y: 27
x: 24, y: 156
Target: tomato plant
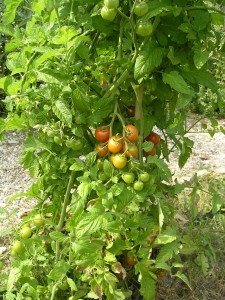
x: 102, y: 134
x: 71, y: 69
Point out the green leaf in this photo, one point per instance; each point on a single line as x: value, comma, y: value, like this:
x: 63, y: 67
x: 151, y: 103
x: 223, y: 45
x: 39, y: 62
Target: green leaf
x: 186, y: 151
x: 217, y: 19
x: 176, y: 81
x: 167, y: 252
x: 7, y: 29
x: 147, y: 281
x: 48, y: 54
x: 15, y: 121
x: 59, y: 271
x: 163, y: 167
x: 108, y: 168
x: 205, y: 78
x: 10, y: 10
x: 184, y: 278
x: 62, y: 111
x: 201, y: 56
x: 91, y: 222
x: 102, y: 25
x: 166, y: 236
x: 183, y: 100
x: 148, y: 59
x: 80, y: 100
x: 33, y: 143
x: 84, y: 189
x: 58, y: 236
x: 78, y: 165
x: 72, y: 284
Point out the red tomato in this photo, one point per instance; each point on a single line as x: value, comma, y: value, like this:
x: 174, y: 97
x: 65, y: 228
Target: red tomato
x: 131, y: 133
x: 130, y: 150
x: 119, y: 161
x: 115, y: 143
x: 152, y: 152
x: 102, y: 150
x: 154, y: 138
x: 102, y: 134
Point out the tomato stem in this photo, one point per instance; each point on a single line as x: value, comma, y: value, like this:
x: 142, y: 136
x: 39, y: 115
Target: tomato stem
x: 63, y: 213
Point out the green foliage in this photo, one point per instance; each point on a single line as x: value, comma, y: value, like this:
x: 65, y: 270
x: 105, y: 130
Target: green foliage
x: 69, y: 72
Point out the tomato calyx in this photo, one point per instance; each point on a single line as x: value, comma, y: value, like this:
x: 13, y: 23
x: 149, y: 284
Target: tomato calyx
x: 115, y: 143
x: 131, y: 133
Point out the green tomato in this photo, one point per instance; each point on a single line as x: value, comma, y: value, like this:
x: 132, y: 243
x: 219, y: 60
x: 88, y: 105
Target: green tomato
x: 58, y: 140
x: 100, y: 163
x: 74, y: 144
x: 108, y: 14
x: 38, y: 220
x: 1, y: 265
x: 50, y: 133
x: 141, y: 9
x: 138, y: 185
x: 17, y: 247
x: 13, y: 253
x: 144, y: 177
x: 128, y: 177
x: 144, y: 29
x: 25, y: 232
x: 111, y: 3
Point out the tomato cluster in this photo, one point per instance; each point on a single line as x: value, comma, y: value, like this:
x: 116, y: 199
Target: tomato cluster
x: 119, y: 146
x: 25, y: 233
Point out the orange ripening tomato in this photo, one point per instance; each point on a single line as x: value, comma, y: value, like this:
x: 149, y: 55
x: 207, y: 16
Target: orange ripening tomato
x: 102, y: 134
x: 130, y: 150
x: 115, y: 143
x: 102, y: 150
x: 152, y: 152
x: 131, y: 132
x: 153, y: 137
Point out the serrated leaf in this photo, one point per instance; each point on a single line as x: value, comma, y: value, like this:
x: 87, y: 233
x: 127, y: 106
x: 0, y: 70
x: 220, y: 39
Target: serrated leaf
x: 186, y: 151
x: 81, y: 101
x: 59, y: 271
x: 84, y: 189
x: 184, y: 278
x: 163, y: 167
x: 177, y: 82
x: 10, y: 10
x: 7, y: 30
x: 147, y: 281
x: 58, y: 236
x: 62, y: 111
x: 183, y: 100
x: 78, y: 165
x: 49, y: 53
x: 108, y: 168
x: 149, y: 58
x: 167, y: 252
x: 201, y: 56
x: 32, y: 143
x: 90, y: 223
x: 166, y: 236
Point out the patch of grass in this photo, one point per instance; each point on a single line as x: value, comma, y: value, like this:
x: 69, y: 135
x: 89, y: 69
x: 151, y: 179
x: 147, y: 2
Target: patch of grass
x: 207, y: 278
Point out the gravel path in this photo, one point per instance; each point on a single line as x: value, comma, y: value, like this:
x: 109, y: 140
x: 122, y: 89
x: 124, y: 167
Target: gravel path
x: 208, y: 157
